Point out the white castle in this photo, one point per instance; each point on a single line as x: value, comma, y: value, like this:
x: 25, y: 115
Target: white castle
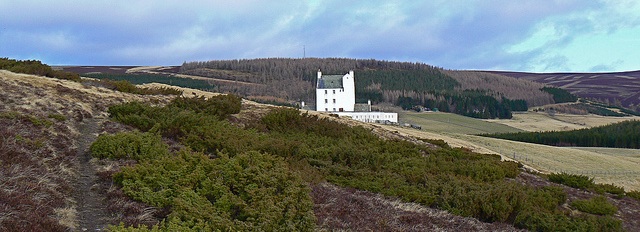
x: 337, y: 94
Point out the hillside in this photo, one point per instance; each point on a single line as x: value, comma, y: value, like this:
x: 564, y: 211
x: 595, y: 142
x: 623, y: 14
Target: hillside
x: 94, y: 175
x: 606, y: 165
x: 618, y: 88
x: 402, y: 83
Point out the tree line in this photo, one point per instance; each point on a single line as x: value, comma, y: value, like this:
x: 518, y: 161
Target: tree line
x: 36, y: 67
x: 406, y: 84
x: 621, y: 135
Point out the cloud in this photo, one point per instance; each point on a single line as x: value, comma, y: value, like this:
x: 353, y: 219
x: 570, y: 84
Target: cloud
x: 526, y: 35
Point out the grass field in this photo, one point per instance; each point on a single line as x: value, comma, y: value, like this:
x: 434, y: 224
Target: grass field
x: 453, y: 123
x: 606, y: 165
x: 540, y: 121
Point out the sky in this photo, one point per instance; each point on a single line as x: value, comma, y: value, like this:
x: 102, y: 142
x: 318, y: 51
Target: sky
x: 514, y: 35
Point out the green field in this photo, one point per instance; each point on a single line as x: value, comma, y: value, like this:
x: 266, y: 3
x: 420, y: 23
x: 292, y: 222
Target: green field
x: 453, y: 123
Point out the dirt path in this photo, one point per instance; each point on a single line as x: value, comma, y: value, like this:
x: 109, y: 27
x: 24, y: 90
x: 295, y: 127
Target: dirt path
x: 92, y: 209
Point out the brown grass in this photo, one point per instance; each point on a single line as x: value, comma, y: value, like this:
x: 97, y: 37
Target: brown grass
x: 38, y: 154
x: 540, y: 121
x: 339, y: 209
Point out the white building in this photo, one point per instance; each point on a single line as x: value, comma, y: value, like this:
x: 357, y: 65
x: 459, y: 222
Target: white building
x: 337, y: 93
x: 374, y: 117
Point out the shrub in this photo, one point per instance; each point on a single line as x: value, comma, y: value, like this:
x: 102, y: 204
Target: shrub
x: 251, y: 191
x: 129, y: 145
x: 220, y: 105
x: 597, y: 205
x: 457, y: 180
x: 136, y: 114
x: 609, y: 188
x: 634, y: 195
x: 572, y: 180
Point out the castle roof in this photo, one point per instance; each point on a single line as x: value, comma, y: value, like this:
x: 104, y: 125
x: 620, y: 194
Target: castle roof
x: 330, y: 82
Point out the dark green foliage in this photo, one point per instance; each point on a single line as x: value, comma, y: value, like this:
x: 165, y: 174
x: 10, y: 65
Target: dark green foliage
x: 515, y: 105
x: 36, y: 67
x: 609, y: 188
x: 221, y: 105
x: 251, y: 191
x: 421, y: 79
x: 453, y: 179
x: 572, y: 180
x: 634, y: 194
x: 129, y: 145
x: 622, y: 109
x: 560, y: 95
x: 538, y: 221
x: 135, y: 114
x: 137, y: 79
x: 630, y: 112
x: 471, y: 103
x: 584, y: 182
x: 622, y: 135
x: 597, y: 205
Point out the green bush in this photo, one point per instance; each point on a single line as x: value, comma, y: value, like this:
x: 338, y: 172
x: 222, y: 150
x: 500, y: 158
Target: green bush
x: 457, y: 180
x: 634, y: 194
x: 136, y: 114
x: 251, y: 191
x: 129, y: 145
x: 609, y: 188
x: 572, y: 180
x: 597, y: 205
x: 220, y: 105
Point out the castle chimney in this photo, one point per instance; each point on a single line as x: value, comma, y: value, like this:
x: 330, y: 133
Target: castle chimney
x: 319, y: 74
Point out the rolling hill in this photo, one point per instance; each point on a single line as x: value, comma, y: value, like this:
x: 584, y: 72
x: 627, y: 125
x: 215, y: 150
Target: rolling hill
x: 373, y: 177
x: 617, y: 88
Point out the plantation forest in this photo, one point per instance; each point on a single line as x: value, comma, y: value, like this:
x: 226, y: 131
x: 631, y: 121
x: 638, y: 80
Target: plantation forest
x: 406, y: 84
x: 621, y: 135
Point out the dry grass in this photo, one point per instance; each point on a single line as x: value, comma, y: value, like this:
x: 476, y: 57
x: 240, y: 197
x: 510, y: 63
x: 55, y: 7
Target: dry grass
x: 39, y: 155
x: 540, y: 121
x: 339, y: 209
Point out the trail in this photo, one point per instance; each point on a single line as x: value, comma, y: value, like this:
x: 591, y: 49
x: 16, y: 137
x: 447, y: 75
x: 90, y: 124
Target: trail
x: 92, y: 209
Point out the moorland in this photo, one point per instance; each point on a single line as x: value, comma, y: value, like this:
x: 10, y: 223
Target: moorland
x: 92, y: 154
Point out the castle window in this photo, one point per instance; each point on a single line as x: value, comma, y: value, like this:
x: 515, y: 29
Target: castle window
x: 334, y: 109
x: 326, y: 100
x: 325, y: 91
x: 334, y: 100
x: 326, y: 109
x: 334, y: 91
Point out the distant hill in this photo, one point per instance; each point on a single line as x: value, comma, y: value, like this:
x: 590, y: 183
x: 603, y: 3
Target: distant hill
x: 405, y: 84
x: 616, y: 88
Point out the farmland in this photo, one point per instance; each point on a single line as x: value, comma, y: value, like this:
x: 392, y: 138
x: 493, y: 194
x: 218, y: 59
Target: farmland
x: 605, y: 165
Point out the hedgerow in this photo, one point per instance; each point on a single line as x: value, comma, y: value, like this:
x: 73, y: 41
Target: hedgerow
x: 457, y: 180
